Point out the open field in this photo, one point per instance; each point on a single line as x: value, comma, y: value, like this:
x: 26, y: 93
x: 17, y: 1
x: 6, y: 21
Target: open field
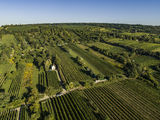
x: 136, y: 44
x: 107, y: 68
x: 8, y: 40
x: 101, y: 56
x: 146, y: 60
x: 109, y: 48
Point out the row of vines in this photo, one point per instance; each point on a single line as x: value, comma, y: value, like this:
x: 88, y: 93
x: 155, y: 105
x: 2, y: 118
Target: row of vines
x: 69, y: 70
x: 9, y: 115
x: 67, y: 107
x: 118, y: 102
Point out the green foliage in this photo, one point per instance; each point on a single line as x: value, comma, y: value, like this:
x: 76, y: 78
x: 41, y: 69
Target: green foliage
x: 72, y: 106
x: 104, y: 67
x: 48, y: 64
x: 134, y: 47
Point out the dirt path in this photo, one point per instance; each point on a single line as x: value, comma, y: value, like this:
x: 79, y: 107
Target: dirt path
x: 98, y: 81
x: 60, y: 81
x: 18, y: 112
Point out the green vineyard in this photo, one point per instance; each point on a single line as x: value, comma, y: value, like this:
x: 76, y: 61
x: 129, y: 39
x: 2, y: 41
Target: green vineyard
x: 48, y: 79
x: 2, y: 79
x: 69, y: 69
x: 15, y: 86
x: 67, y: 107
x: 23, y: 115
x: 79, y: 71
x: 9, y: 115
x: 122, y: 103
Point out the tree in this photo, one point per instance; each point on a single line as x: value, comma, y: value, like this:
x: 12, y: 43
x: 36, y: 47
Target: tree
x: 48, y: 63
x: 70, y: 86
x: 100, y: 76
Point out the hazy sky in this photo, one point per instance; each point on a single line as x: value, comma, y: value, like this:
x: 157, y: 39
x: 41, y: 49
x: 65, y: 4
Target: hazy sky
x: 56, y: 11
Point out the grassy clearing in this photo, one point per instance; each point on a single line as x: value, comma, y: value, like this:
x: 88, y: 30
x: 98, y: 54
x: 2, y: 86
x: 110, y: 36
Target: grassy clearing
x: 135, y: 34
x: 21, y: 28
x: 101, y: 56
x: 102, y: 66
x: 108, y: 47
x: 8, y: 40
x: 136, y: 44
x: 6, y: 85
x: 34, y: 77
x: 146, y: 60
x: 74, y: 54
x: 4, y: 68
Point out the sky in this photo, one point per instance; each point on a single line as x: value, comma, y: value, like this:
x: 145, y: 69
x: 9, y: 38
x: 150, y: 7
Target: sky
x: 72, y: 11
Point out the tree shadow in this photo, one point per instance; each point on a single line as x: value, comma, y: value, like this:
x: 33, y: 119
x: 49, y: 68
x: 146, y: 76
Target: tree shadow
x: 12, y: 98
x: 41, y: 88
x: 43, y: 115
x: 27, y: 94
x: 82, y: 83
x: 88, y: 72
x: 2, y: 90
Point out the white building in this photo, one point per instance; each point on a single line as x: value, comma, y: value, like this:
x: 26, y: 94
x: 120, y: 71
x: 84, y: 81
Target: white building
x: 53, y: 67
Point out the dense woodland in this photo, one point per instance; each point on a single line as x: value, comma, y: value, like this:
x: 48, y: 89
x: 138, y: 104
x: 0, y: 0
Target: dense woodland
x: 93, y: 61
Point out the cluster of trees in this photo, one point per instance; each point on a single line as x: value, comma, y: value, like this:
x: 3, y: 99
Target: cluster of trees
x: 147, y: 75
x: 129, y: 28
x: 157, y: 67
x: 31, y: 99
x: 131, y: 69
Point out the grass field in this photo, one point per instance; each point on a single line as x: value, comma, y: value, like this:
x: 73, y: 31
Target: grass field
x: 109, y: 48
x: 136, y: 44
x: 8, y: 39
x: 101, y: 56
x: 146, y: 60
x: 4, y: 68
x: 102, y: 66
x: 74, y: 54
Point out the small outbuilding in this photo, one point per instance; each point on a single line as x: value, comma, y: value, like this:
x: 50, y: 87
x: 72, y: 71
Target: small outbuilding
x: 53, y: 67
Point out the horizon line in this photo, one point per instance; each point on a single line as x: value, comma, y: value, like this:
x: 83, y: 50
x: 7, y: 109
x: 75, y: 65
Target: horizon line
x: 79, y: 23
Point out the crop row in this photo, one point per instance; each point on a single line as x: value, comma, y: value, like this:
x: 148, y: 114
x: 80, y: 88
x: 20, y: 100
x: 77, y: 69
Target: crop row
x: 3, y: 77
x: 137, y: 102
x: 67, y: 107
x: 70, y: 70
x: 110, y: 105
x: 23, y: 115
x: 42, y: 82
x: 8, y: 115
x: 15, y: 86
x: 52, y: 79
x: 48, y: 78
